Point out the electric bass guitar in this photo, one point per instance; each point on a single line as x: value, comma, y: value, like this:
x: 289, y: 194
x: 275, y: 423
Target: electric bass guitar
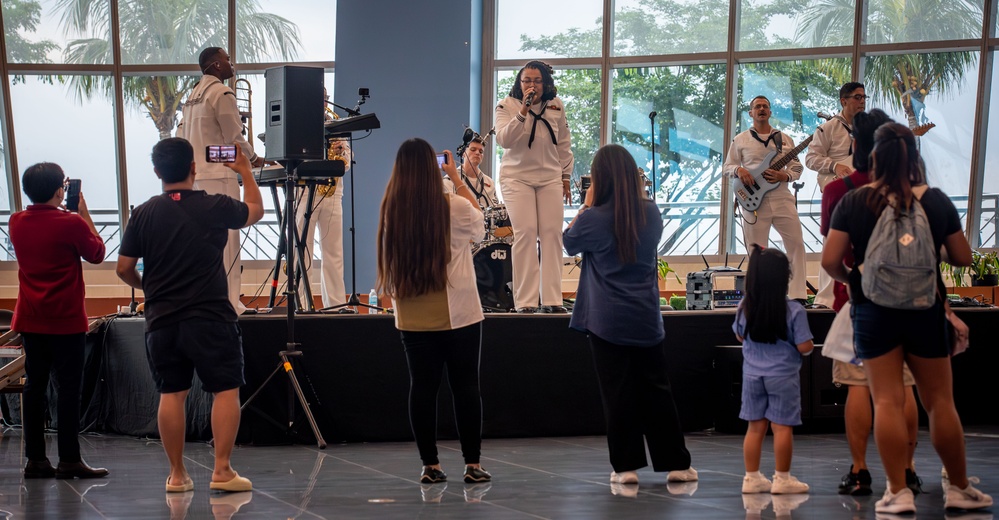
x: 751, y: 196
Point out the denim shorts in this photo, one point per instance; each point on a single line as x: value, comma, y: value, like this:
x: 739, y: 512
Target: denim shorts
x: 213, y: 348
x: 775, y: 398
x: 878, y: 330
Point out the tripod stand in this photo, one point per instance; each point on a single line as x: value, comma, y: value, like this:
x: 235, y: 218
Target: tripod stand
x: 291, y: 347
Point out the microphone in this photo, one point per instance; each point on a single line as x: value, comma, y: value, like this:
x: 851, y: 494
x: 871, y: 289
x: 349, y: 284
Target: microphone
x: 465, y: 139
x: 530, y: 99
x: 653, y: 114
x: 824, y: 115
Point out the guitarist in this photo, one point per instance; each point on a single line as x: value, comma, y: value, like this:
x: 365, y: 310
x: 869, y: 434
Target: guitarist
x: 777, y: 210
x: 831, y: 154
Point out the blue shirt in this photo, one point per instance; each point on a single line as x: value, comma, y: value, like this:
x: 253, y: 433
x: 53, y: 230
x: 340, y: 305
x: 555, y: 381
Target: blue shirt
x: 616, y: 302
x: 774, y: 359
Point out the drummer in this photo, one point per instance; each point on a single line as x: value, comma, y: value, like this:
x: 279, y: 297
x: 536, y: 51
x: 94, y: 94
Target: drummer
x: 480, y: 184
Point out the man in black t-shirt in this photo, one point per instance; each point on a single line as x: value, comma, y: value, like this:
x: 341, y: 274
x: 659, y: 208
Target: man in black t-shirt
x: 190, y: 323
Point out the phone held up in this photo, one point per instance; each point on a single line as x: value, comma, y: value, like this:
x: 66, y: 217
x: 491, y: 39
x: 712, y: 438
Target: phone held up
x: 441, y: 160
x: 220, y: 153
x: 73, y: 195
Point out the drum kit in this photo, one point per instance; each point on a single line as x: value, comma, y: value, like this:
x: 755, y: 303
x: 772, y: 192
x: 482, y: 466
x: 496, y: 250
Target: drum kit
x: 493, y: 261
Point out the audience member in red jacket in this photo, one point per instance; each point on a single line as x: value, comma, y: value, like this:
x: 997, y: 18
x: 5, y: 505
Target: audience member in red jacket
x: 50, y: 315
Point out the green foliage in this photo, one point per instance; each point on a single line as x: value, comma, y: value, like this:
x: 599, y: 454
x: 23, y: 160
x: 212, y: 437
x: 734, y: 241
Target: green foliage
x: 983, y: 264
x: 664, y: 270
x: 22, y: 17
x: 166, y: 31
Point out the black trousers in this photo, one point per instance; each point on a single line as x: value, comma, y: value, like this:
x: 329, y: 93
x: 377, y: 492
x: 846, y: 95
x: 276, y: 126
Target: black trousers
x: 428, y: 353
x: 59, y: 357
x: 639, y: 407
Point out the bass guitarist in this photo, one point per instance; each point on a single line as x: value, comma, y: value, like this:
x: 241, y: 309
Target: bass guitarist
x: 777, y: 209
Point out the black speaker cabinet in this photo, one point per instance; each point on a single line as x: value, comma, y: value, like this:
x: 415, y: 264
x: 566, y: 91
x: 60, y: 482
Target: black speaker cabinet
x: 294, y: 113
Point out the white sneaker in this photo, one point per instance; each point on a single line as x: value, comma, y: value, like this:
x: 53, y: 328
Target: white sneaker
x: 967, y: 498
x: 755, y: 503
x: 683, y: 475
x: 624, y: 477
x: 901, y: 502
x: 788, y: 485
x: 784, y: 504
x: 756, y: 484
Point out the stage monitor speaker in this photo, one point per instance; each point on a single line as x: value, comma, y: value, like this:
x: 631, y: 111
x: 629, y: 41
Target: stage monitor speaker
x: 295, y: 113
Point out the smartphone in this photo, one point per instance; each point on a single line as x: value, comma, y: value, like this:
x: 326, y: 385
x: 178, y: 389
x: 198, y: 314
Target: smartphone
x: 441, y: 160
x: 221, y: 153
x: 73, y: 195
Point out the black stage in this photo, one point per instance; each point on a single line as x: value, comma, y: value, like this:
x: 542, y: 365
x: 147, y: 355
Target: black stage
x: 537, y: 378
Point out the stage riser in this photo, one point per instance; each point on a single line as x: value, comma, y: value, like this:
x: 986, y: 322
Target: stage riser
x: 537, y: 378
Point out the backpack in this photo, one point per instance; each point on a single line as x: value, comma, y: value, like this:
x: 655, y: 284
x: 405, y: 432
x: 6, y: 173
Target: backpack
x: 900, y: 266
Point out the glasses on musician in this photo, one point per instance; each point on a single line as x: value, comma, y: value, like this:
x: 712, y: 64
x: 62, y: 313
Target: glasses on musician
x: 859, y: 97
x: 536, y: 81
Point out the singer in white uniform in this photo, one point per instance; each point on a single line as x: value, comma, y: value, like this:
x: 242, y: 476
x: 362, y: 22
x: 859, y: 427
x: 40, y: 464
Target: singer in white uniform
x: 327, y: 219
x: 211, y: 117
x: 534, y: 180
x: 777, y: 209
x: 831, y: 156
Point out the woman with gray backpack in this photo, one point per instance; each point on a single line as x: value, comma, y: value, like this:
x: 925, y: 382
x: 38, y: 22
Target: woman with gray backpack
x: 896, y: 226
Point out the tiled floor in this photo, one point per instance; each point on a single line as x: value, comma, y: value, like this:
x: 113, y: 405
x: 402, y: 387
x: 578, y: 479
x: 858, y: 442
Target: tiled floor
x: 533, y: 478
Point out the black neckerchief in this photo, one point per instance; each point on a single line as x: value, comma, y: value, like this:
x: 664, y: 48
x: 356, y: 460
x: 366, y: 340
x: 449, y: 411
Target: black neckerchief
x: 537, y: 117
x: 849, y: 130
x: 479, y: 190
x: 774, y: 136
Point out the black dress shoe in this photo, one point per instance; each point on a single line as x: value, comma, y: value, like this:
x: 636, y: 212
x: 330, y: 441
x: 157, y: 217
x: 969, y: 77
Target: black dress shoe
x: 554, y: 309
x: 78, y: 470
x: 527, y: 310
x: 39, y: 469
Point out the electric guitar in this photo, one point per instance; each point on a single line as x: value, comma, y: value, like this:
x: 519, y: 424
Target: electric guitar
x: 751, y: 196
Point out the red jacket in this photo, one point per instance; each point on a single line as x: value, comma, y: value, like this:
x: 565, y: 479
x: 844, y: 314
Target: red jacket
x: 48, y: 242
x: 833, y: 193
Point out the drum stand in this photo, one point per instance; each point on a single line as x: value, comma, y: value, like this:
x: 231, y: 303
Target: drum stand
x: 291, y: 347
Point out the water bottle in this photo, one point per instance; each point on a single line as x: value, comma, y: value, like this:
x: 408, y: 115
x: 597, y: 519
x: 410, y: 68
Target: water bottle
x: 373, y: 301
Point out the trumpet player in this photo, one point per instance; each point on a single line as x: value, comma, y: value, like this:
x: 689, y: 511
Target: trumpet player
x: 327, y: 220
x: 212, y: 117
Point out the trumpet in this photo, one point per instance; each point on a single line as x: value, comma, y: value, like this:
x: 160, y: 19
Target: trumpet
x: 245, y: 105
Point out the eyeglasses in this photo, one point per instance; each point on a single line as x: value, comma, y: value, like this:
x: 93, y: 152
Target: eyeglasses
x: 536, y: 81
x: 858, y: 97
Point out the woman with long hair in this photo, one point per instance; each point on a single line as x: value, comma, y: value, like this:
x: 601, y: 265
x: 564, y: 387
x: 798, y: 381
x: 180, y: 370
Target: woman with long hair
x: 887, y: 336
x: 534, y: 180
x: 425, y: 265
x: 617, y: 305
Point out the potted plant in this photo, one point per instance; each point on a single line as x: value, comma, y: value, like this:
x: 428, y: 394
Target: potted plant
x: 677, y: 302
x: 984, y: 268
x: 954, y: 274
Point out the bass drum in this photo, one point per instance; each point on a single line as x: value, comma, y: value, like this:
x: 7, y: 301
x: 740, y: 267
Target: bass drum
x: 494, y: 275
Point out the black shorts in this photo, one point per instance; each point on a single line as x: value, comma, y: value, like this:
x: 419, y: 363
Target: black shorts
x: 213, y: 348
x: 878, y: 330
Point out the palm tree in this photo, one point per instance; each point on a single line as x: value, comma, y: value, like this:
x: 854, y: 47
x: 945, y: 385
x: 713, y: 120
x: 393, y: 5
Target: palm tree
x: 903, y: 80
x: 168, y: 32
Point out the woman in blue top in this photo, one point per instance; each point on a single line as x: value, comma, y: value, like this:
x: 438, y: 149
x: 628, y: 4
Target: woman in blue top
x: 617, y: 306
x: 774, y: 334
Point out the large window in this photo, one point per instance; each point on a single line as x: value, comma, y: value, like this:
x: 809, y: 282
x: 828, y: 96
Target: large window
x: 558, y: 28
x: 61, y: 66
x: 687, y: 128
x: 79, y: 136
x: 675, y: 77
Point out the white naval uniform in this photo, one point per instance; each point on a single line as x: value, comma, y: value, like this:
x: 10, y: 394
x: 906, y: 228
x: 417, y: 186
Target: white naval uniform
x: 531, y: 184
x: 327, y: 218
x: 211, y: 117
x: 831, y: 145
x: 481, y: 185
x: 777, y: 207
